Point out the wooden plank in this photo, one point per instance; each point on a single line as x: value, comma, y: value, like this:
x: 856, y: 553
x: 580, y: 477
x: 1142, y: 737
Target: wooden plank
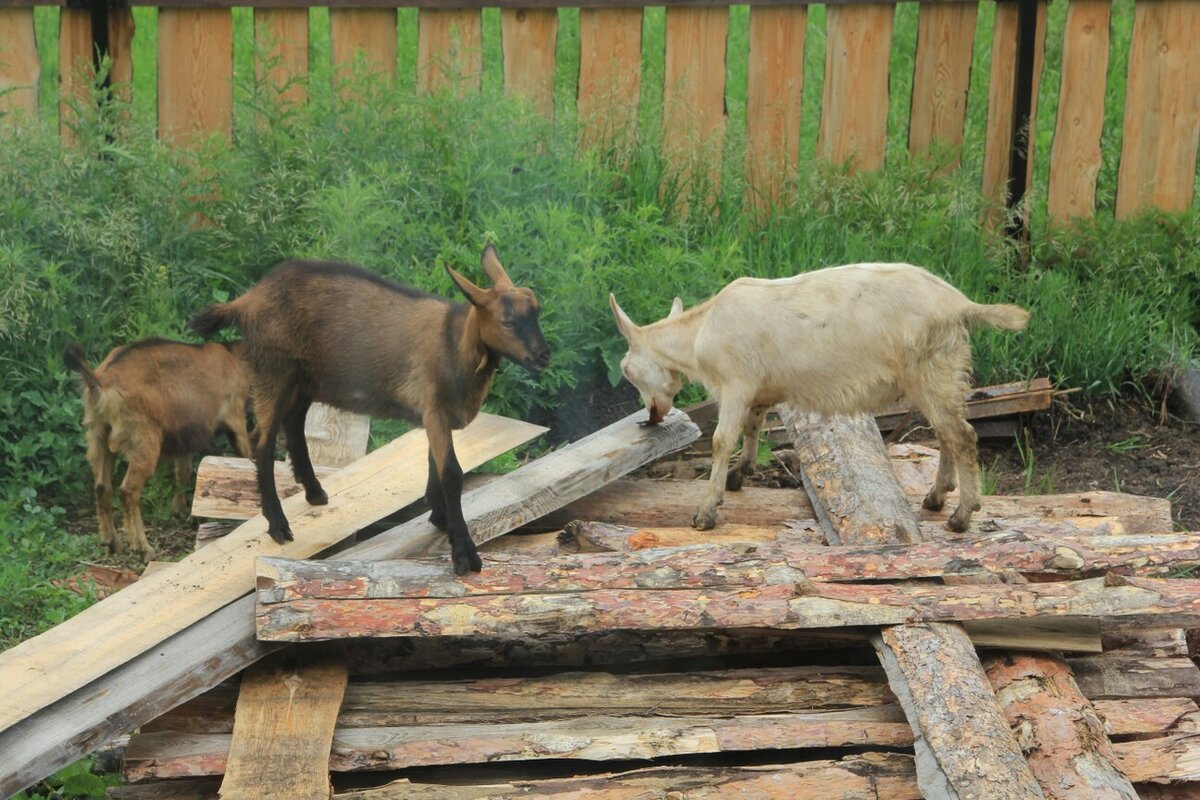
x: 41, y: 670
x: 694, y: 98
x: 120, y: 47
x: 1075, y: 155
x: 1156, y: 642
x: 1119, y: 677
x: 226, y: 487
x: 941, y: 76
x: 283, y: 729
x: 528, y: 41
x: 222, y: 642
x: 1149, y: 716
x: 184, y: 789
x: 1174, y: 758
x: 854, y: 108
x: 610, y: 76
x: 990, y: 401
x: 449, y: 50
x: 336, y: 437
x: 1162, y: 117
x: 362, y: 38
x: 281, y: 39
x: 998, y: 144
x: 773, y: 102
x: 76, y: 67
x: 20, y: 65
x: 195, y: 74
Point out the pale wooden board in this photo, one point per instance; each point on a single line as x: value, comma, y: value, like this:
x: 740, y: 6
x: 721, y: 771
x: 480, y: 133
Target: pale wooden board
x: 120, y: 48
x: 773, y: 101
x: 335, y: 437
x: 610, y: 75
x: 195, y: 74
x: 283, y: 728
x: 941, y: 75
x: 363, y: 37
x: 998, y: 141
x: 76, y: 68
x: 694, y: 94
x: 281, y: 36
x: 450, y: 50
x: 44, y: 669
x: 226, y: 486
x: 1162, y: 115
x: 528, y: 38
x: 1075, y: 155
x: 854, y: 107
x: 20, y: 65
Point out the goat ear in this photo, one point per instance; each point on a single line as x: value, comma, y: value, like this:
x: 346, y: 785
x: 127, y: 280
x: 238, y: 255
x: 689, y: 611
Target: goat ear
x: 676, y: 308
x: 624, y: 324
x: 494, y: 269
x: 477, y: 296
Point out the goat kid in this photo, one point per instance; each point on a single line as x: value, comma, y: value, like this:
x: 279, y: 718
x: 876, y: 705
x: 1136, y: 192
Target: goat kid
x: 842, y: 340
x: 338, y: 334
x: 155, y: 400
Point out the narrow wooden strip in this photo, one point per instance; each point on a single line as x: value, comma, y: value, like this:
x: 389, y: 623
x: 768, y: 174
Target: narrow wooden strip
x: 195, y: 74
x: 528, y: 39
x: 120, y: 48
x: 694, y: 97
x: 1175, y: 758
x: 20, y: 65
x: 1075, y: 155
x: 941, y: 76
x: 610, y: 75
x: 1119, y: 677
x: 992, y: 401
x: 76, y: 67
x: 361, y: 38
x: 1162, y: 117
x: 283, y: 729
x: 1148, y: 716
x: 773, y: 102
x: 855, y: 106
x: 281, y: 39
x: 184, y: 789
x: 449, y: 50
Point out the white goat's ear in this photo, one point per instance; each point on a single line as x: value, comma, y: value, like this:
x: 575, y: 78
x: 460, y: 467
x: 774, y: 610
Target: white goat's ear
x: 477, y: 296
x: 494, y: 269
x: 676, y: 308
x: 624, y: 323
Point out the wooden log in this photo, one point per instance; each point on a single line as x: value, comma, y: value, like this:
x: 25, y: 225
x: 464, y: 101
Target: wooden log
x: 610, y: 76
x: 1165, y: 760
x: 226, y: 487
x: 138, y: 687
x: 336, y: 437
x: 941, y: 76
x: 694, y: 97
x: 1162, y: 118
x: 450, y: 50
x: 1060, y: 732
x: 186, y: 789
x: 774, y: 92
x: 854, y: 110
x: 1129, y: 676
x: 20, y: 66
x: 281, y: 39
x: 195, y: 74
x: 283, y: 729
x: 932, y: 669
x: 528, y: 40
x: 1076, y: 157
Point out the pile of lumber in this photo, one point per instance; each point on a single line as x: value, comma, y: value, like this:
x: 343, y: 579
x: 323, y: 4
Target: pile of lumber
x: 832, y: 642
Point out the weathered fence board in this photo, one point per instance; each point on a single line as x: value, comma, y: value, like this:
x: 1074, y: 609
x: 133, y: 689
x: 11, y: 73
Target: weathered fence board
x: 195, y: 74
x: 450, y: 50
x: 1075, y: 156
x: 1162, y: 113
x: 76, y: 66
x: 858, y: 44
x: 774, y: 92
x: 363, y: 37
x: 610, y: 75
x: 941, y: 76
x: 281, y: 35
x: 20, y: 66
x: 529, y: 37
x: 694, y: 95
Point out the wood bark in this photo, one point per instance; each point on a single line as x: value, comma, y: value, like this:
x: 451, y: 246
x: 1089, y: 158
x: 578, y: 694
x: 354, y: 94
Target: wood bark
x: 1135, y: 676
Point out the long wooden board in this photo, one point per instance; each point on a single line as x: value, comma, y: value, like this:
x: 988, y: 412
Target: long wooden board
x: 694, y: 95
x: 1162, y: 117
x: 774, y: 91
x: 854, y: 109
x: 941, y: 76
x: 450, y: 50
x: 281, y: 63
x: 528, y: 38
x: 610, y: 75
x: 20, y: 65
x: 1075, y: 156
x: 195, y: 74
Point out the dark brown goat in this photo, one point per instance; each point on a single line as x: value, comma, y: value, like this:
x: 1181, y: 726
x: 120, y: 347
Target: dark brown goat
x: 155, y: 400
x: 338, y: 334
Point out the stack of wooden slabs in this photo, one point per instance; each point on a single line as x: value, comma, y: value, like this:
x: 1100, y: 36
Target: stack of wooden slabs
x: 569, y: 668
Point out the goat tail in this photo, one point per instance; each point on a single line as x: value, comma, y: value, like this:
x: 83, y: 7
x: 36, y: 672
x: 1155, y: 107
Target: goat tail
x: 214, y: 318
x: 1003, y: 316
x: 74, y: 358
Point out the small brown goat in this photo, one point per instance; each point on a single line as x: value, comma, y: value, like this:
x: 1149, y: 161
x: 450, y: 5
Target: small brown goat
x: 155, y: 400
x: 338, y: 334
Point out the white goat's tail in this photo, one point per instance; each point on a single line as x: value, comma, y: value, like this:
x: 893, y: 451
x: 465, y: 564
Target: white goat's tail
x: 1003, y: 316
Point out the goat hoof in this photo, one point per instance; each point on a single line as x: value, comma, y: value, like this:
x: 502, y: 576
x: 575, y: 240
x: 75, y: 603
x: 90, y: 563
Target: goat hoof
x: 282, y: 534
x: 733, y: 481
x: 316, y: 498
x: 932, y: 503
x: 704, y: 521
x: 467, y: 562
x: 958, y: 522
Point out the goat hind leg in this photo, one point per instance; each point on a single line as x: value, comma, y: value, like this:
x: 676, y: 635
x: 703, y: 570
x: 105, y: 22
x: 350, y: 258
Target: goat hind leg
x: 729, y: 422
x: 748, y: 458
x: 297, y: 446
x: 958, y: 443
x: 268, y: 414
x: 102, y: 460
x: 183, y: 478
x: 141, y: 464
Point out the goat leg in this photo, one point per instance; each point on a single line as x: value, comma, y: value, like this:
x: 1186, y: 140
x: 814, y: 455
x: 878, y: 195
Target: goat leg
x: 434, y: 497
x: 729, y: 421
x: 748, y: 459
x: 297, y: 447
x: 463, y: 554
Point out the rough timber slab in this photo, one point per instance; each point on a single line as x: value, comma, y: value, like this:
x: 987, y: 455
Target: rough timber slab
x: 222, y: 643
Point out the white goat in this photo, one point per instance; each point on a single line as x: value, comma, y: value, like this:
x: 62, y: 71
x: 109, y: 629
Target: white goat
x: 841, y: 340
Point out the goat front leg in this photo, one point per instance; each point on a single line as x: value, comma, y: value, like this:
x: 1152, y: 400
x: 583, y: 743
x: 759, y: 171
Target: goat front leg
x: 729, y: 423
x: 463, y: 554
x: 748, y: 459
x: 435, y: 498
x: 183, y: 479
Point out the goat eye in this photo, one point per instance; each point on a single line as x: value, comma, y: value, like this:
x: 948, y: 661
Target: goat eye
x: 508, y: 323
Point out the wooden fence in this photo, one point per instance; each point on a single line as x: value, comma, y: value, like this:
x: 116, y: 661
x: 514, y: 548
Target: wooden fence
x: 1161, y: 116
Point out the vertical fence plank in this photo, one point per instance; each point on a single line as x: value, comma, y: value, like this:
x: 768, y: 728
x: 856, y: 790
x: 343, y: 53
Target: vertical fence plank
x: 610, y: 74
x: 450, y: 50
x: 1162, y: 108
x: 854, y: 107
x: 76, y: 66
x: 20, y: 67
x: 1075, y: 154
x: 281, y: 40
x: 528, y: 37
x: 694, y: 93
x: 362, y: 33
x: 773, y: 99
x: 941, y: 75
x: 195, y: 73
x: 120, y: 51
x: 998, y: 141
